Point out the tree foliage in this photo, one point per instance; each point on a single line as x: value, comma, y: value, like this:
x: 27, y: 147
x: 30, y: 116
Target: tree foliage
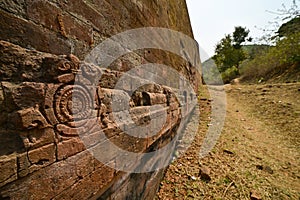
x: 289, y: 28
x: 278, y: 59
x: 240, y: 35
x: 287, y: 18
x: 228, y: 52
x: 278, y: 56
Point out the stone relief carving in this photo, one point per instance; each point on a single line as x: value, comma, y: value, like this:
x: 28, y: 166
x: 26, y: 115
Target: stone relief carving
x: 69, y: 106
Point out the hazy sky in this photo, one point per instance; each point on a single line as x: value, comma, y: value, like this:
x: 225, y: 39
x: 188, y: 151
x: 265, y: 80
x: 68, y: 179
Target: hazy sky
x: 212, y: 19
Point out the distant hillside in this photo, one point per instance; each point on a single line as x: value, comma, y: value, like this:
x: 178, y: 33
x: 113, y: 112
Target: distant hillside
x: 212, y: 76
x: 208, y: 63
x: 210, y: 73
x: 273, y: 74
x: 254, y: 73
x: 280, y: 63
x: 254, y: 49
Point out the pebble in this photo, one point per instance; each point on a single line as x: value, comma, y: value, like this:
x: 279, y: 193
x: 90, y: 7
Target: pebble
x: 204, y: 174
x: 254, y: 195
x: 228, y: 152
x: 265, y: 168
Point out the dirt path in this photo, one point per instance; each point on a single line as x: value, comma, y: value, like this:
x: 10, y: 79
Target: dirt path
x: 258, y: 153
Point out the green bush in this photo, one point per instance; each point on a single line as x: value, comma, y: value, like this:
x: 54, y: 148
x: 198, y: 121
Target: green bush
x: 274, y: 61
x: 230, y: 74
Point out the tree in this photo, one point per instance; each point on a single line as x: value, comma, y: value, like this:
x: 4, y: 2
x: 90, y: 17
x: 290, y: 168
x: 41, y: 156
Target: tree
x: 229, y: 52
x: 240, y: 35
x: 285, y: 22
x: 289, y: 28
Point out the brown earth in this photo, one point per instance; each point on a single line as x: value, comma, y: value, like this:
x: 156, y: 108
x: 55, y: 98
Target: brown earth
x: 257, y: 155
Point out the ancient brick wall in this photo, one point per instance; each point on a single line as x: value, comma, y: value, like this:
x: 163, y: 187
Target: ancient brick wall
x: 50, y: 148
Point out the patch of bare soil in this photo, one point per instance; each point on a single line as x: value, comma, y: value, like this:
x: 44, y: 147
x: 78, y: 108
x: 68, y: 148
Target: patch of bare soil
x: 256, y: 157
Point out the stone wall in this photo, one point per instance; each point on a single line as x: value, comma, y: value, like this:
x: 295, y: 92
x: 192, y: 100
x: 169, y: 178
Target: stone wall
x: 49, y: 148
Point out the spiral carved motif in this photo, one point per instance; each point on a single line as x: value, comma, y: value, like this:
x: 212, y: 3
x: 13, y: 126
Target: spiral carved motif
x: 72, y: 103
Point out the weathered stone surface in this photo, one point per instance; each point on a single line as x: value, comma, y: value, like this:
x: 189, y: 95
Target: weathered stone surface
x: 25, y: 95
x: 8, y: 168
x: 31, y: 66
x: 27, y: 119
x: 14, y: 28
x: 23, y: 165
x: 38, y: 121
x: 40, y: 137
x: 52, y: 17
x: 10, y: 142
x: 54, y: 179
x: 52, y: 131
x: 86, y: 188
x: 151, y: 186
x: 35, y: 160
x: 16, y: 7
x: 69, y: 147
x: 42, y: 156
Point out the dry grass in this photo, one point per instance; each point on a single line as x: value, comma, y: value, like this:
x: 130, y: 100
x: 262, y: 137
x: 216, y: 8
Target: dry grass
x: 257, y: 151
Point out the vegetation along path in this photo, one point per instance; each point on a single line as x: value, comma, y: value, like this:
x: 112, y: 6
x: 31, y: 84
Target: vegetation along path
x: 256, y: 157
